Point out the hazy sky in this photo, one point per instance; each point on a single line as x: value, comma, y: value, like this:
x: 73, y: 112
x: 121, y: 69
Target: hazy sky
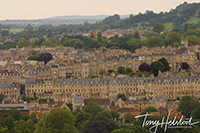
x: 35, y: 9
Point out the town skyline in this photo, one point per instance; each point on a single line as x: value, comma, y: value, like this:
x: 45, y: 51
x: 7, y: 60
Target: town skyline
x: 40, y: 9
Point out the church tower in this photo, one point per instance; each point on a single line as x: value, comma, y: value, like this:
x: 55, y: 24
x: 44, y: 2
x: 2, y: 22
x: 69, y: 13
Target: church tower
x: 184, y: 44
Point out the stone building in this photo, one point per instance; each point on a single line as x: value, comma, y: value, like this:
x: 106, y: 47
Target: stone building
x: 171, y: 86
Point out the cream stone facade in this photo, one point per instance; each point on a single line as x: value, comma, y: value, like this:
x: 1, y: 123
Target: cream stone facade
x: 170, y: 86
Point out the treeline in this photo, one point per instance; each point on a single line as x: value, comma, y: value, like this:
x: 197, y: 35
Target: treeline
x: 94, y: 119
x: 178, y: 17
x: 128, y: 41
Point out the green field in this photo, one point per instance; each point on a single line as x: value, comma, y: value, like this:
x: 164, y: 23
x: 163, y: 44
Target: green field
x: 15, y: 30
x: 169, y: 25
x: 193, y: 20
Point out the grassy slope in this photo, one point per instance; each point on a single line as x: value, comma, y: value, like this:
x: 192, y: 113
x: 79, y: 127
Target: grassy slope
x: 15, y: 30
x: 168, y: 25
x: 193, y: 20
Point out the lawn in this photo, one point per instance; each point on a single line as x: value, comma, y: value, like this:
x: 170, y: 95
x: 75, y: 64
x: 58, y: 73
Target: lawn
x: 193, y: 20
x: 15, y: 30
x: 169, y: 25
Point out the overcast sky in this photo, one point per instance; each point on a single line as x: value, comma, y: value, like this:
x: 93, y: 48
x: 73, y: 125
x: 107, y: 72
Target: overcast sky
x: 35, y: 9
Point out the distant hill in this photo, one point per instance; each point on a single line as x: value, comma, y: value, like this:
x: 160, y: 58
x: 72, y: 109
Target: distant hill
x: 86, y: 17
x: 79, y: 17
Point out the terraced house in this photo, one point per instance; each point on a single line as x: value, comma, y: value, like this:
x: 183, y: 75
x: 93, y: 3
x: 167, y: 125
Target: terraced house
x: 171, y: 86
x: 11, y: 90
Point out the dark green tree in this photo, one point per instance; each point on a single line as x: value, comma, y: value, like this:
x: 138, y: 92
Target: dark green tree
x: 16, y: 114
x: 158, y: 27
x: 122, y: 96
x: 187, y: 105
x: 115, y: 114
x: 172, y: 37
x: 57, y: 120
x: 136, y: 35
x: 80, y: 118
x: 154, y: 41
x: 156, y: 66
x: 121, y: 70
x: 92, y: 108
x: 10, y: 124
x: 149, y: 109
x: 196, y: 113
x: 104, y: 114
x: 165, y: 63
x: 1, y: 96
x: 129, y: 70
x: 129, y: 118
x: 130, y: 129
x: 100, y: 125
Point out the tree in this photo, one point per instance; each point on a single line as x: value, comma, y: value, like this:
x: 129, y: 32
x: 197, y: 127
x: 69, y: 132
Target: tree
x: 110, y: 71
x: 149, y: 109
x: 158, y: 27
x: 136, y: 35
x: 129, y: 70
x: 122, y: 96
x: 10, y: 124
x: 196, y: 113
x: 24, y: 127
x: 133, y: 44
x: 190, y: 27
x: 80, y: 118
x: 185, y: 27
x: 57, y: 120
x: 23, y: 42
x: 1, y: 96
x: 115, y: 114
x: 92, y: 108
x: 33, y: 52
x: 187, y: 105
x: 76, y: 43
x: 165, y: 63
x: 29, y: 27
x: 112, y: 103
x: 16, y: 114
x: 156, y: 66
x: 121, y: 70
x: 99, y: 34
x: 92, y: 35
x: 130, y: 129
x: 193, y: 40
x: 129, y: 118
x: 104, y: 125
x: 104, y: 114
x: 46, y: 57
x: 172, y: 37
x: 154, y: 41
x: 25, y: 117
x: 144, y: 67
x: 184, y: 65
x: 35, y: 57
x: 4, y: 33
